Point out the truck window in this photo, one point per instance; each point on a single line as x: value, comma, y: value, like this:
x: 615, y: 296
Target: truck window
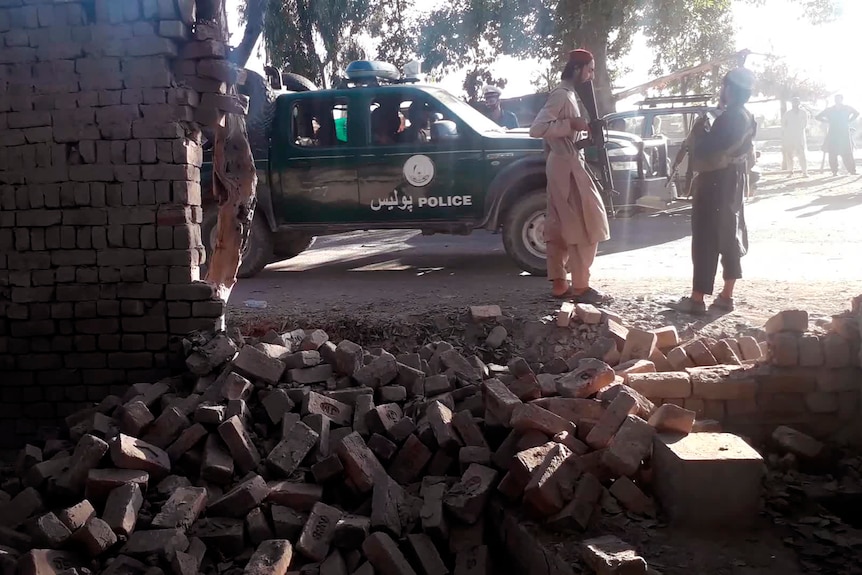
x: 400, y: 120
x: 320, y: 123
x: 671, y: 126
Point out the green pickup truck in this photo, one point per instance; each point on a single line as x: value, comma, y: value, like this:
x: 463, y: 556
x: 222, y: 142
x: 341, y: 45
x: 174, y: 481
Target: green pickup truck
x: 378, y: 154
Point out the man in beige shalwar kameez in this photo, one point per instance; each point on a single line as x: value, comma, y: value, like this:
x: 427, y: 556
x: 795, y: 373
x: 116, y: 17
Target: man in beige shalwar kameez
x: 576, y: 220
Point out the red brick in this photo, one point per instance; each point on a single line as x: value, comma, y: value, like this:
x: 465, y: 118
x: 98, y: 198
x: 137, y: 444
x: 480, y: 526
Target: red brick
x: 639, y: 345
x: 628, y: 448
x: 615, y: 415
x: 241, y: 499
x: 239, y: 444
x: 288, y: 454
x: 466, y: 499
x: 383, y: 553
x: 166, y: 428
x: 359, y: 462
x: 216, y: 465
x: 340, y: 413
x: 582, y: 508
x: 161, y: 542
x: 586, y: 380
x: 722, y: 382
x: 131, y: 453
x: 427, y: 555
x: 679, y: 359
x: 96, y: 536
x: 88, y: 453
x: 542, y: 494
x: 76, y: 516
x: 410, y: 461
x: 23, y: 506
x: 499, y: 401
x: 272, y: 557
x: 287, y: 523
x: 187, y: 440
x: 135, y: 418
x: 631, y: 497
x: 121, y: 510
x: 530, y: 416
x: 182, y: 509
x: 672, y: 418
x: 798, y: 443
x: 383, y: 418
x: 50, y: 531
x: 433, y: 519
x: 750, y: 348
x: 609, y: 555
x: 298, y: 496
x: 316, y: 537
x: 100, y: 482
x: 784, y: 349
x: 795, y: 321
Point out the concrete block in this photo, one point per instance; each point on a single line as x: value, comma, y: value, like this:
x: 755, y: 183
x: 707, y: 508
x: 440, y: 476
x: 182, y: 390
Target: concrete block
x: 709, y: 480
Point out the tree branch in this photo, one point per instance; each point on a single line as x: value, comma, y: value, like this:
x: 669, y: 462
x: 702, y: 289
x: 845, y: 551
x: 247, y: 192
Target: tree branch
x: 255, y: 20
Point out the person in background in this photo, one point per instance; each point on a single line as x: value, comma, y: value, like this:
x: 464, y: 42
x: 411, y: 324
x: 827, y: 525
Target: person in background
x: 495, y: 111
x: 576, y: 219
x: 720, y: 156
x: 793, y: 126
x: 838, y: 118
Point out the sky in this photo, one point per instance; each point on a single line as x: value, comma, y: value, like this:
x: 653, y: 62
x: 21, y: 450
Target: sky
x: 822, y: 52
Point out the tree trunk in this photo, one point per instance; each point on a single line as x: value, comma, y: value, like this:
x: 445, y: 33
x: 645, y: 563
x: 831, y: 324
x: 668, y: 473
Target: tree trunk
x: 255, y: 21
x: 234, y: 183
x: 596, y: 42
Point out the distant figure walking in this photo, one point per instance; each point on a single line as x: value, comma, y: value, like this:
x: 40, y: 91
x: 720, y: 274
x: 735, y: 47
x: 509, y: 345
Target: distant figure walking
x: 793, y: 124
x: 838, y: 143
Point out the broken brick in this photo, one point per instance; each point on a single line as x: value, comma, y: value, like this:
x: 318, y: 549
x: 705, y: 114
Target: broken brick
x: 466, y: 499
x: 182, y: 508
x: 122, y: 507
x: 290, y: 451
x: 132, y: 453
x: 383, y: 553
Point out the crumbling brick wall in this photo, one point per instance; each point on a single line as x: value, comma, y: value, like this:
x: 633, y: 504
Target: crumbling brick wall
x: 100, y: 198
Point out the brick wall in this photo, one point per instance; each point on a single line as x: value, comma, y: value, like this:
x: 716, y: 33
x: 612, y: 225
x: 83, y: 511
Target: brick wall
x: 99, y: 197
x: 810, y: 381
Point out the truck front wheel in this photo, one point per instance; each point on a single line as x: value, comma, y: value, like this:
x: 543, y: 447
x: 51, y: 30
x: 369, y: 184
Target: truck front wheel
x: 524, y: 232
x: 258, y: 251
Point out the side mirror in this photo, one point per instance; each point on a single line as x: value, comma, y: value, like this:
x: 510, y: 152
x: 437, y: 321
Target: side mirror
x: 444, y: 130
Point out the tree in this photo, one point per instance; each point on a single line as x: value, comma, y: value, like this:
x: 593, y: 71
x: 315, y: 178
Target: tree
x: 234, y: 173
x: 317, y: 39
x: 475, y: 32
x: 778, y: 81
x: 708, y: 36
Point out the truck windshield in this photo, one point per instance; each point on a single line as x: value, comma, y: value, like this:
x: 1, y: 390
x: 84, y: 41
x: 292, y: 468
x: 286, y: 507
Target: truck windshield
x: 467, y: 113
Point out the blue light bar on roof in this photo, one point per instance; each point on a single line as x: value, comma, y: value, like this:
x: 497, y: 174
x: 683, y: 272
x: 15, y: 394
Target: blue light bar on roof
x: 367, y: 69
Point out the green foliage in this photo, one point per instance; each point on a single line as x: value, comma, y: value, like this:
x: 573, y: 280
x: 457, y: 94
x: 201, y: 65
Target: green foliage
x: 686, y: 33
x: 777, y: 80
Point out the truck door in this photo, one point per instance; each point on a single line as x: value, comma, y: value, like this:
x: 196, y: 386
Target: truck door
x: 313, y: 161
x: 420, y: 163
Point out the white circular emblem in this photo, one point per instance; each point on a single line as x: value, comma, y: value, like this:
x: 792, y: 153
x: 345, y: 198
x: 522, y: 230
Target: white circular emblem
x: 419, y: 170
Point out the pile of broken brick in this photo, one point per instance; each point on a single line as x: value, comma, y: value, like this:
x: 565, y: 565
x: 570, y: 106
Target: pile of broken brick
x: 294, y: 454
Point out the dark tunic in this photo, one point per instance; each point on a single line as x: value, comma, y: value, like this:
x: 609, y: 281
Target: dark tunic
x: 720, y: 156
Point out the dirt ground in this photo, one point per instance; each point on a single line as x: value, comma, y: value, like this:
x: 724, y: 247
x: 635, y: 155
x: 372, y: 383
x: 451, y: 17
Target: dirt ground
x: 805, y: 239
x: 398, y: 288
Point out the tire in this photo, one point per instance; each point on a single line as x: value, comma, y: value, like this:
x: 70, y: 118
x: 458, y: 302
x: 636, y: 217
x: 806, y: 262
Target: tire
x: 523, y: 229
x: 291, y: 244
x: 259, y: 250
x: 297, y: 83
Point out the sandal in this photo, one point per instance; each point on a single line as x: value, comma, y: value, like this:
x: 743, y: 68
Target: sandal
x: 688, y: 305
x: 722, y: 303
x: 591, y: 296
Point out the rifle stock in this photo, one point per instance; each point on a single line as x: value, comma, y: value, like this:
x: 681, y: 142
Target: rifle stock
x: 598, y: 137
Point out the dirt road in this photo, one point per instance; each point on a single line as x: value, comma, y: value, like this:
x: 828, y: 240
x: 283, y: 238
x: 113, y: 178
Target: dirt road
x: 805, y: 237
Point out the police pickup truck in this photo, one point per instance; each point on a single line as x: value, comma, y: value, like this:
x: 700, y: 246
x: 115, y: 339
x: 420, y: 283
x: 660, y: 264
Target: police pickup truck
x: 381, y: 151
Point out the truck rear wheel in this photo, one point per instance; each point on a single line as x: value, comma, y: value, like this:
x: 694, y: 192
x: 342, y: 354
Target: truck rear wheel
x: 524, y: 232
x: 258, y: 251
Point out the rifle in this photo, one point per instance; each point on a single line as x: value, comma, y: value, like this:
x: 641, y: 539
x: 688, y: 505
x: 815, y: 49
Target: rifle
x: 599, y: 138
